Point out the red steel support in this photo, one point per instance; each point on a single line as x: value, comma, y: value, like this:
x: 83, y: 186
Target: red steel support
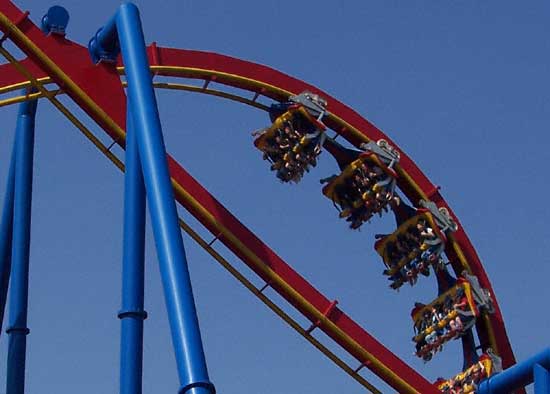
x: 101, y: 84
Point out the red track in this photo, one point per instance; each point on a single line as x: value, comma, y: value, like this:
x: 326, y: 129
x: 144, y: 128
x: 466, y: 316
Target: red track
x: 102, y: 84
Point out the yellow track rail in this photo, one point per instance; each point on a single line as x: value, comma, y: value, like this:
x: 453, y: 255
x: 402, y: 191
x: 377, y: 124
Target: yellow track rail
x: 99, y: 114
x: 50, y: 95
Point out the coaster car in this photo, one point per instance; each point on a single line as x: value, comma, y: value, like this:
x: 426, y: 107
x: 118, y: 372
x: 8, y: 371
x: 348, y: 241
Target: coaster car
x: 449, y: 316
x: 415, y: 245
x: 467, y: 381
x: 366, y: 185
x: 294, y: 140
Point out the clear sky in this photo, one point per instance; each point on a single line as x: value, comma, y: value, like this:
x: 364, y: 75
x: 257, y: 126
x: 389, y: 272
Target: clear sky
x: 462, y: 87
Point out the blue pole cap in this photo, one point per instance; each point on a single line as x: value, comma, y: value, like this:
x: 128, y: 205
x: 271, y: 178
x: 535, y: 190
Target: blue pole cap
x: 55, y: 21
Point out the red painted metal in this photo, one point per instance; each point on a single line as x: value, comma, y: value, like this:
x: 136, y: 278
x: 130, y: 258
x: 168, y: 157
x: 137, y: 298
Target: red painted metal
x: 292, y: 278
x: 326, y: 313
x: 102, y: 84
x: 257, y: 72
x: 10, y: 76
x: 16, y: 22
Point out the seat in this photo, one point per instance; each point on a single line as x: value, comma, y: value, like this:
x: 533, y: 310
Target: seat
x: 295, y: 138
x: 446, y: 318
x: 365, y: 186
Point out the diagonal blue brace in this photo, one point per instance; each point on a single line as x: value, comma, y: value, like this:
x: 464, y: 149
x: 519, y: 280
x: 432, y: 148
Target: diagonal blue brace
x: 125, y: 30
x: 541, y: 376
x: 132, y: 314
x: 534, y: 369
x: 6, y: 235
x: 19, y: 290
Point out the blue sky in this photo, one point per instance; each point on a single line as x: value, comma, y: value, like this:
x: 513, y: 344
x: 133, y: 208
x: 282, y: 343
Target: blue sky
x: 461, y: 86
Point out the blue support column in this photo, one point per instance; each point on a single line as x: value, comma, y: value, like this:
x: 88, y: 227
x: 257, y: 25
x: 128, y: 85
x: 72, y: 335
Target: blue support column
x: 132, y: 314
x: 104, y: 44
x: 178, y: 294
x: 542, y: 379
x: 19, y: 290
x: 6, y: 234
x: 517, y: 376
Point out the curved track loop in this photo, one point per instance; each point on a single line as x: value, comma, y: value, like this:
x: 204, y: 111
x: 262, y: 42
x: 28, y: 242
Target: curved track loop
x: 97, y: 89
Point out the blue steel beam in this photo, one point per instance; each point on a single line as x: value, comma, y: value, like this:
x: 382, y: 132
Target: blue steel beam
x: 178, y: 293
x: 542, y: 379
x: 19, y: 290
x: 517, y: 376
x: 6, y: 234
x: 104, y: 44
x: 132, y: 313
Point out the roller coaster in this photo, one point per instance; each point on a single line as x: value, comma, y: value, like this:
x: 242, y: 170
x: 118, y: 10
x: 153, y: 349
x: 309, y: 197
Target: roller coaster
x: 110, y: 80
